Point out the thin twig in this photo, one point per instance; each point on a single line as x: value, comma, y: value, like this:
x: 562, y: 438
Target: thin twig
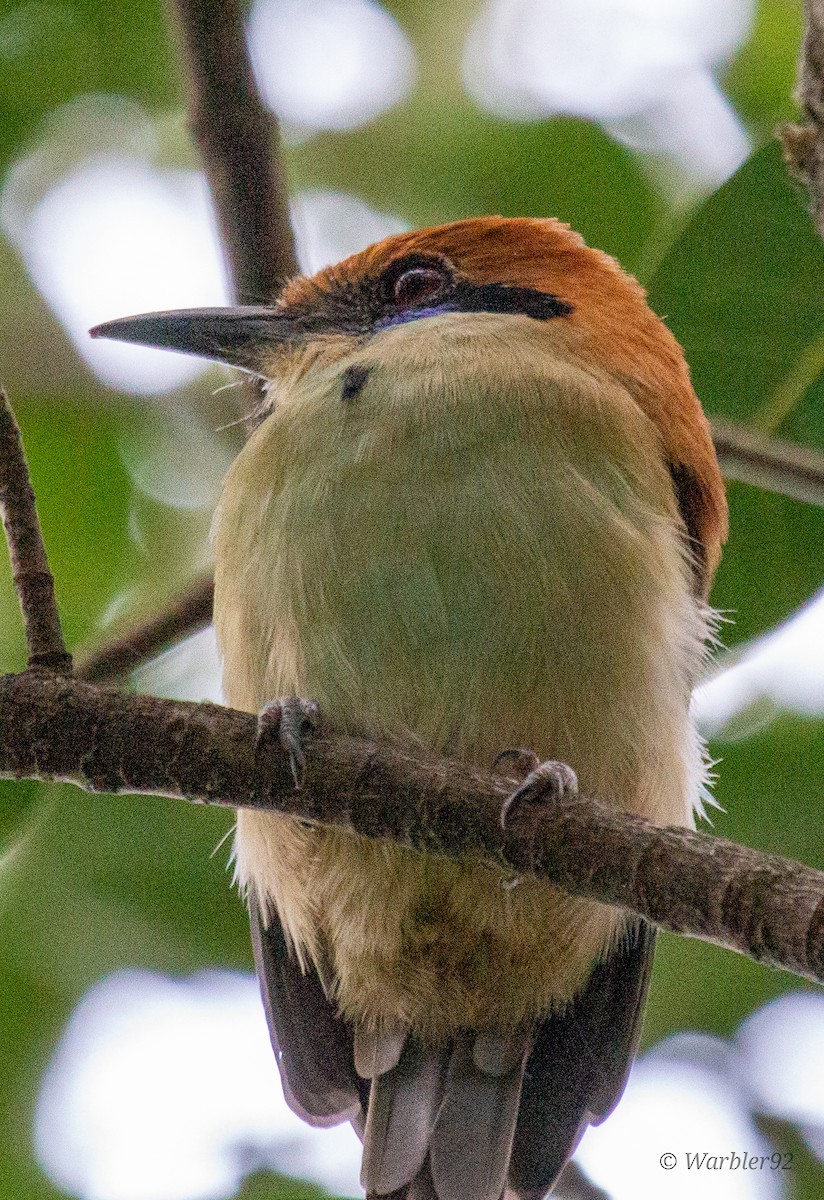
x: 804, y: 144
x: 769, y: 908
x: 188, y: 613
x: 239, y: 143
x: 766, y: 462
x: 29, y: 565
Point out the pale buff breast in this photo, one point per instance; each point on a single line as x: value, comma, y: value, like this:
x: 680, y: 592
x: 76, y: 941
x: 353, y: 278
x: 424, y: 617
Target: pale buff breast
x: 485, y: 573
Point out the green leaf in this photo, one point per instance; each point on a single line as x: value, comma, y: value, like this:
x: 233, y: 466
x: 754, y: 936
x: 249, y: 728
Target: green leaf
x: 432, y: 162
x: 741, y: 289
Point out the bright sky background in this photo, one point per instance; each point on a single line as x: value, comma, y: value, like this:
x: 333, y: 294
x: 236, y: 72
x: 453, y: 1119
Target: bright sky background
x: 329, y: 64
x: 167, y: 1089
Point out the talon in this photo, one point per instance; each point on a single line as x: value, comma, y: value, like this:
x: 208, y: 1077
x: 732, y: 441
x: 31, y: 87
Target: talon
x: 524, y: 760
x: 288, y: 718
x: 545, y: 785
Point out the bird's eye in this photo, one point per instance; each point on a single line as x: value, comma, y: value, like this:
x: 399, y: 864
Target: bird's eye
x: 418, y: 285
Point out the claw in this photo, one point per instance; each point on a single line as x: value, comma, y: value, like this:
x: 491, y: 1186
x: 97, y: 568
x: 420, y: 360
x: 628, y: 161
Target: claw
x: 288, y: 718
x: 546, y: 784
x: 524, y: 760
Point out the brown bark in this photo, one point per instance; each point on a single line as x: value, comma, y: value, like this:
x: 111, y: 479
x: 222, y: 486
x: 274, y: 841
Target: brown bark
x: 29, y: 565
x: 804, y: 144
x: 239, y: 144
x: 764, y: 906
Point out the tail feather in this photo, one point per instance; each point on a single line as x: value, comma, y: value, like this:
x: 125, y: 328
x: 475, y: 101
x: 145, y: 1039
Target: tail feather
x: 312, y: 1044
x: 579, y: 1064
x: 498, y: 1053
x: 439, y: 1126
x: 419, y: 1188
x: 378, y: 1048
x: 449, y: 1123
x: 403, y: 1108
x: 472, y: 1140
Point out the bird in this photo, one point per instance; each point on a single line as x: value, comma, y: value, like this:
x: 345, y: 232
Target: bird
x: 480, y: 510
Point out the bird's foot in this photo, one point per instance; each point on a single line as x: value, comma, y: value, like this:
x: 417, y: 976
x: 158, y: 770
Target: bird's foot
x: 546, y: 784
x: 287, y: 719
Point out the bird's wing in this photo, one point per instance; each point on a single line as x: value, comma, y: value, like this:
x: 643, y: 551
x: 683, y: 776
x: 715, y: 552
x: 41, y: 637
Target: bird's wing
x: 691, y: 505
x: 579, y: 1064
x: 312, y: 1044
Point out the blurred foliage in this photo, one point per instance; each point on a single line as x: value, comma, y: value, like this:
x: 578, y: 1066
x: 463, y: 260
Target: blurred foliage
x: 90, y: 884
x: 263, y: 1186
x: 741, y: 290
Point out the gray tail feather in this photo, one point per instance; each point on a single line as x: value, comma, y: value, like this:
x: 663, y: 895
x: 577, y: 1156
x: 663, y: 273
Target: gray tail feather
x: 403, y: 1109
x: 441, y: 1125
x: 441, y: 1121
x: 419, y: 1188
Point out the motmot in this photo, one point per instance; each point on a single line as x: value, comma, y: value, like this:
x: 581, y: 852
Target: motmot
x: 480, y: 510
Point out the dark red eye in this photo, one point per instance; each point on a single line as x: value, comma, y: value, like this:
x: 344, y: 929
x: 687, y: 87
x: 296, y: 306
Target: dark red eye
x: 417, y: 286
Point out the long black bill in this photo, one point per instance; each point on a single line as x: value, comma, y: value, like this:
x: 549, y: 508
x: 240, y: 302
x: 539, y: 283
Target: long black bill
x: 237, y: 336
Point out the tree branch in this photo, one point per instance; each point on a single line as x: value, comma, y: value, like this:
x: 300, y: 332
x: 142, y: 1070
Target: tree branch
x: 804, y: 144
x: 769, y: 908
x: 766, y: 462
x: 29, y: 566
x: 56, y: 727
x: 239, y: 143
x: 186, y: 614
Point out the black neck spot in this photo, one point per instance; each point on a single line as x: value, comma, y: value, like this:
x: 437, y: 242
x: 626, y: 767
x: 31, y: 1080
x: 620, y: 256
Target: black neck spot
x: 354, y: 379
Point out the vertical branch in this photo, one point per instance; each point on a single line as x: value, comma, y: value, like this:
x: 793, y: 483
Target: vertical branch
x: 30, y: 568
x: 804, y: 144
x: 239, y: 143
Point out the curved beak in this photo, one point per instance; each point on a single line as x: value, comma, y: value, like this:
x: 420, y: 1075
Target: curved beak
x: 237, y: 336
